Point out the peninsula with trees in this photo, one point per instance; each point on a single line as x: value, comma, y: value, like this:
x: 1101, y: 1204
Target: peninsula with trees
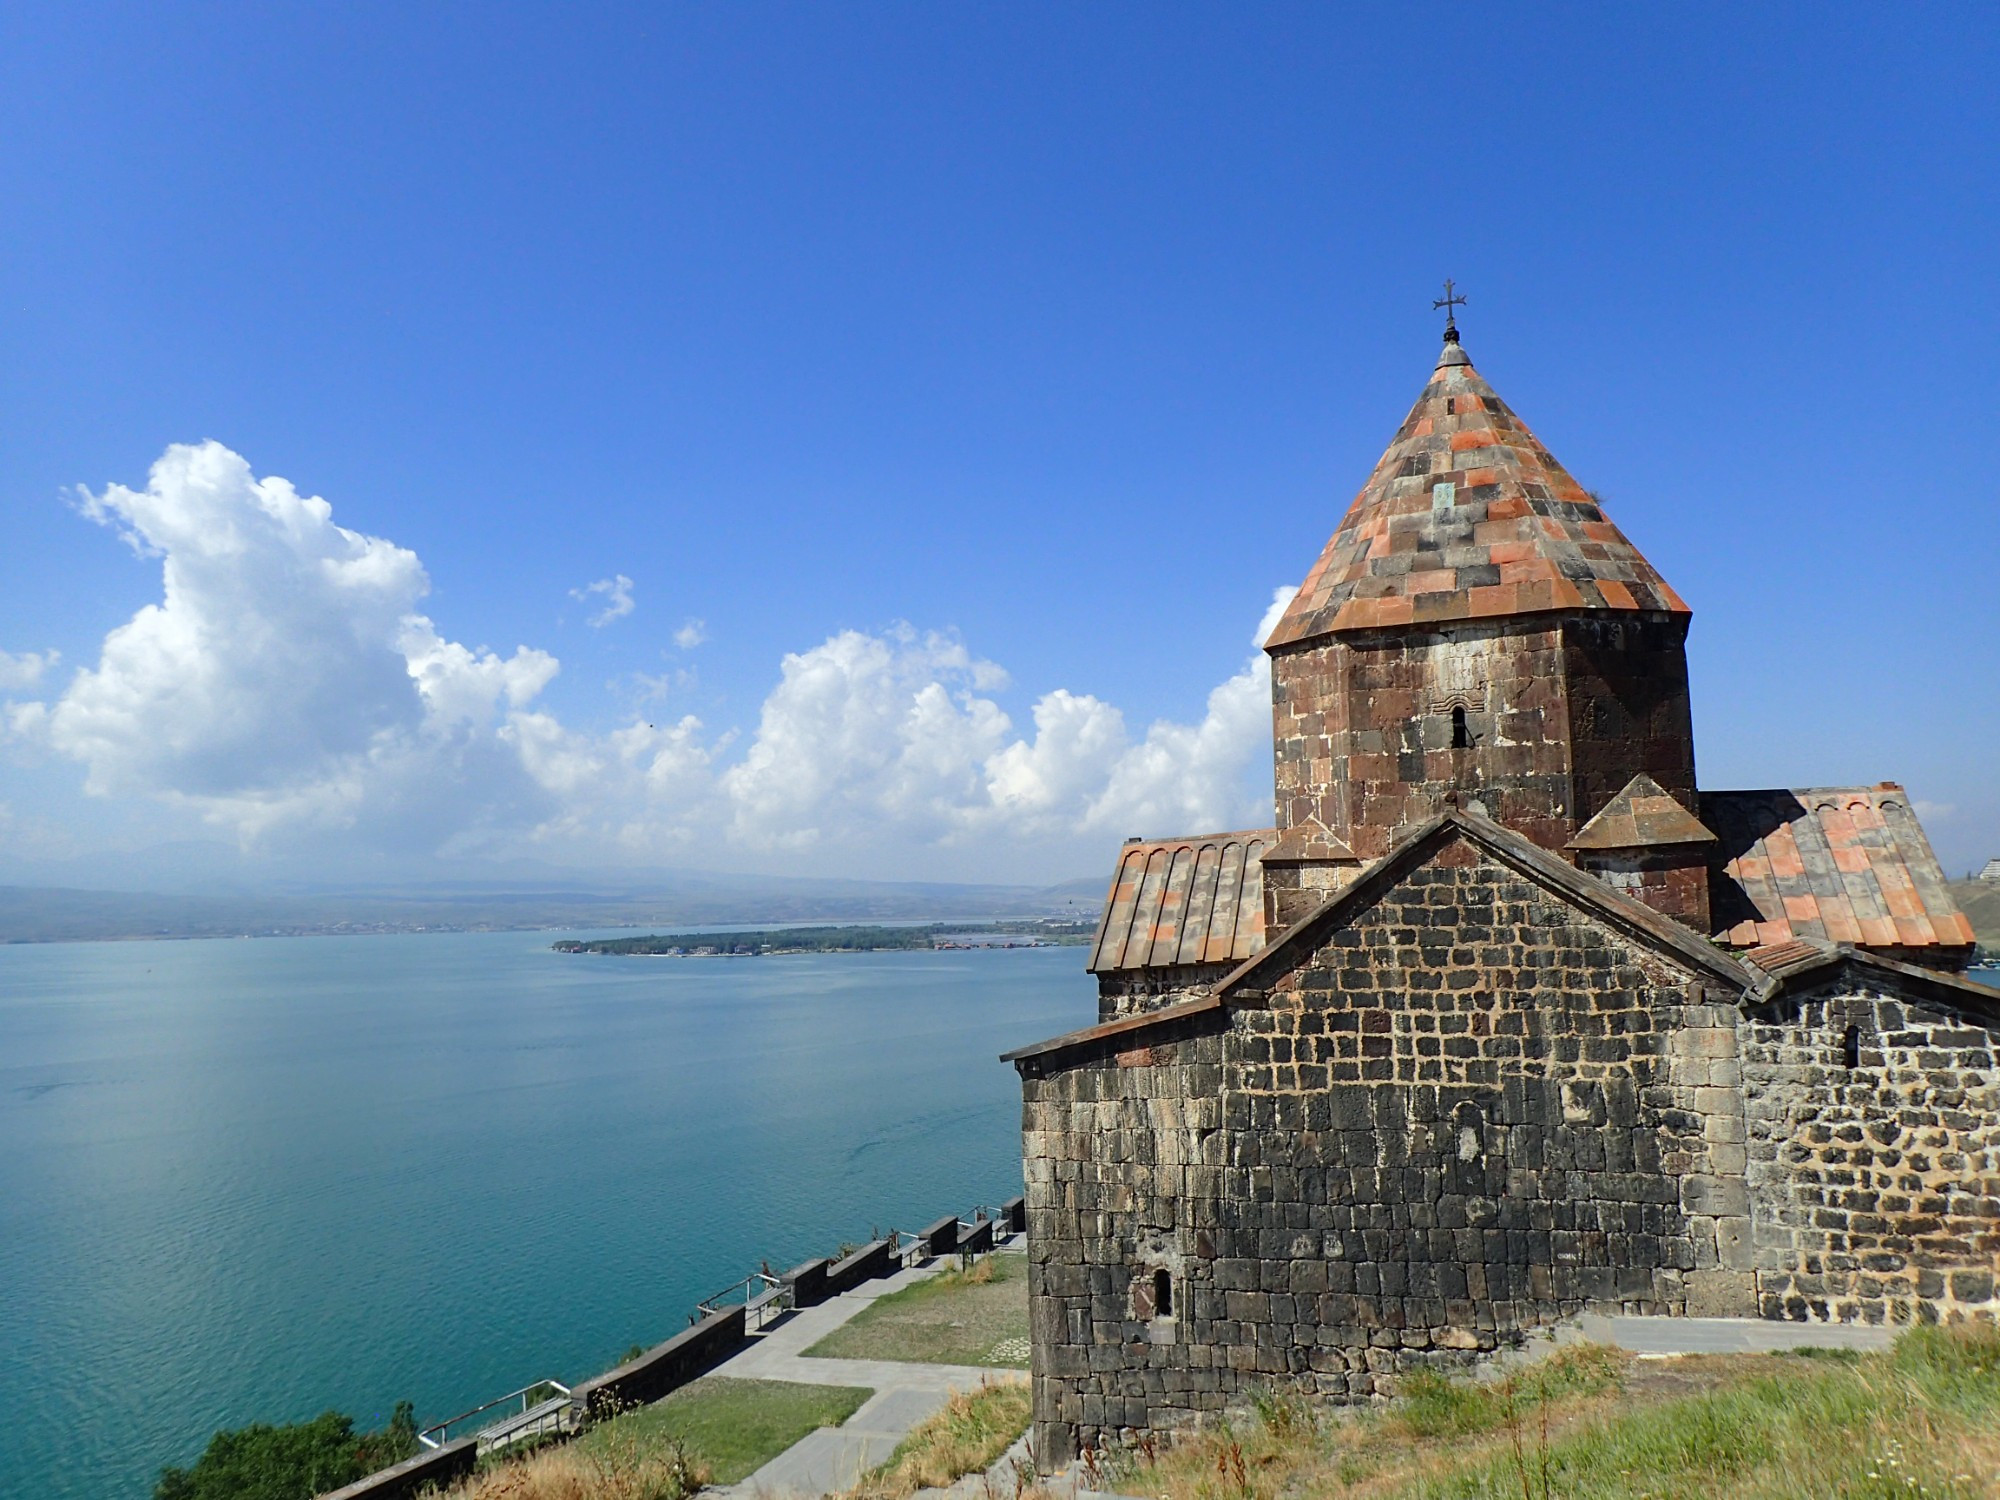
x: 933, y: 936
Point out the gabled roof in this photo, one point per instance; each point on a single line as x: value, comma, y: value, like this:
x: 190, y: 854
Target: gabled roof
x: 1636, y: 920
x: 1468, y: 517
x: 1643, y: 816
x: 1550, y: 871
x: 1183, y: 901
x: 1836, y: 864
x: 1801, y: 963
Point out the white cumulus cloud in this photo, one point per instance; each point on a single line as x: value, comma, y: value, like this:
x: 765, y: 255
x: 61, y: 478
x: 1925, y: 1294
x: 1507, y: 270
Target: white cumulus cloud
x: 691, y: 634
x: 288, y: 679
x: 1082, y: 770
x: 865, y: 732
x: 869, y: 734
x: 286, y: 674
x: 616, y: 592
x: 24, y: 670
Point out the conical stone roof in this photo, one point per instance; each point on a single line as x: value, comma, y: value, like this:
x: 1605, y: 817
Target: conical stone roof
x: 1468, y: 517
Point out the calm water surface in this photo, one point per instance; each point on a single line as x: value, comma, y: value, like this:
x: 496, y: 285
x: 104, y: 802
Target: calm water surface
x: 246, y: 1181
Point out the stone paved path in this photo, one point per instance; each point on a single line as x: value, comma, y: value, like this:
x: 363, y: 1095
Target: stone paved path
x: 833, y: 1458
x: 1723, y: 1335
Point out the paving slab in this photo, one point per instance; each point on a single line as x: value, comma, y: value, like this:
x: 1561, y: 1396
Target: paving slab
x: 823, y: 1462
x: 1729, y: 1335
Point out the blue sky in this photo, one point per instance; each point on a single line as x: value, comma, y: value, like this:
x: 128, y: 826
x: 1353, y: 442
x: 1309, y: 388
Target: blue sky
x: 957, y: 383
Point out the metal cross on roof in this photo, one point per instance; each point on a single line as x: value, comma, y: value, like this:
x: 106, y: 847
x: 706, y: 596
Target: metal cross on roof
x: 1449, y: 302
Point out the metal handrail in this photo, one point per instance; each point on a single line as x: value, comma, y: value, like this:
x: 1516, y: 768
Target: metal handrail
x: 763, y: 1295
x: 441, y: 1428
x: 776, y: 1296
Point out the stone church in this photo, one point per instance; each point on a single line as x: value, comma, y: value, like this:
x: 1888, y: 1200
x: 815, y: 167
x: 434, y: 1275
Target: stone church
x: 1506, y: 1018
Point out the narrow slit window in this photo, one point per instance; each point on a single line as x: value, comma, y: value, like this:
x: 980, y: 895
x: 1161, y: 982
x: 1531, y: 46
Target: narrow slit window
x: 1461, y: 732
x: 1163, y: 1294
x: 1850, y: 1048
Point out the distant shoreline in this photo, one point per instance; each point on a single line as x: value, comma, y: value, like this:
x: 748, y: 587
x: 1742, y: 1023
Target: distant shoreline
x: 34, y: 915
x: 832, y: 938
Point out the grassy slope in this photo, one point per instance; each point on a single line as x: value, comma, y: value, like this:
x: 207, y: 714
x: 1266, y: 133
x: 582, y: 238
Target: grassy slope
x: 967, y: 1437
x: 951, y: 1319
x: 1923, y: 1420
x: 731, y: 1427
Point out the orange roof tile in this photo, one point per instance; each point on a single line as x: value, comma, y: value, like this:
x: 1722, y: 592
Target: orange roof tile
x: 1466, y: 501
x: 1829, y: 864
x: 1184, y: 901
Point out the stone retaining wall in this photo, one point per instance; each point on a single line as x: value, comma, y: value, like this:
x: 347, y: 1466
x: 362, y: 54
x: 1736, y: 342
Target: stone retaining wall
x: 875, y: 1259
x: 664, y: 1368
x: 690, y: 1354
x: 438, y: 1468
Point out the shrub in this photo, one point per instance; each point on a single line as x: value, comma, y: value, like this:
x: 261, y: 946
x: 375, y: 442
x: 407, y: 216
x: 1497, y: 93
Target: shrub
x: 292, y: 1462
x: 262, y: 1462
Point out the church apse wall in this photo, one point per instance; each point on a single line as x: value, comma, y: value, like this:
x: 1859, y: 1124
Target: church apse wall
x: 1125, y: 1163
x: 1472, y: 1109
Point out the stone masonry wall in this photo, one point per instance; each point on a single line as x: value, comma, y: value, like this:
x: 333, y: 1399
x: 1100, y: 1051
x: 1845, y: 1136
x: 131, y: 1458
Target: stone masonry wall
x: 1472, y: 1110
x: 1364, y: 729
x: 1626, y: 687
x: 1127, y: 992
x: 1124, y: 1157
x: 1556, y: 717
x: 1673, y: 880
x: 1874, y: 1135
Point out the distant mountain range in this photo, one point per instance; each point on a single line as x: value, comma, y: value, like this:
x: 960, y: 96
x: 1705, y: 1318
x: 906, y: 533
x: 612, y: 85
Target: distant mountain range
x: 43, y: 914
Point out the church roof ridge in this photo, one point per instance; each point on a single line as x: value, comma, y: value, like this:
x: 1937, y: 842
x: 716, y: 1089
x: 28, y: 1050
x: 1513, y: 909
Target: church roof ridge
x: 1527, y: 858
x: 1467, y: 516
x: 1799, y: 963
x: 1634, y: 918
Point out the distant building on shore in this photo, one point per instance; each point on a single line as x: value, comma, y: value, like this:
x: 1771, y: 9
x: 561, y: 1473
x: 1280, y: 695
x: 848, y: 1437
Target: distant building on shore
x: 1504, y: 1018
x: 1992, y: 870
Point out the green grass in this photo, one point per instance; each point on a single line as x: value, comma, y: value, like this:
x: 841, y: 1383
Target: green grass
x: 955, y: 1318
x: 1434, y: 1406
x: 732, y: 1427
x: 1921, y: 1421
x: 1871, y: 1426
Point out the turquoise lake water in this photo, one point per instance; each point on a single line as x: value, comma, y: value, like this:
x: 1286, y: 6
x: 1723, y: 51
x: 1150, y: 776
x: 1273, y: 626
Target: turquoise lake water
x: 245, y: 1181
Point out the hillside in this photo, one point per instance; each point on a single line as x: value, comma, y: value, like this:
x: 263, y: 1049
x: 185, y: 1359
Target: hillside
x: 1980, y: 901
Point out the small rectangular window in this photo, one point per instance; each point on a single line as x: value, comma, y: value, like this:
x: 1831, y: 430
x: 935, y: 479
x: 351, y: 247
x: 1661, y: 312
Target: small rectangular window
x: 1444, y: 495
x: 1163, y: 1294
